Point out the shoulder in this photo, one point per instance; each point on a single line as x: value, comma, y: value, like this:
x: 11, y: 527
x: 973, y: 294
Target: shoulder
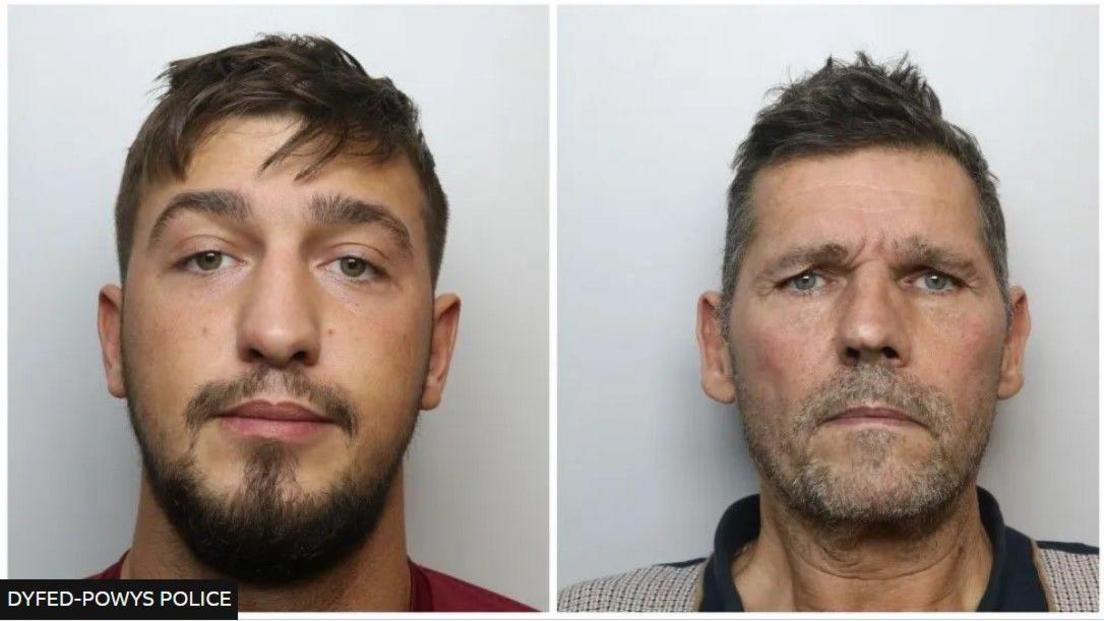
x: 451, y: 594
x: 1071, y: 575
x: 114, y: 572
x: 659, y: 588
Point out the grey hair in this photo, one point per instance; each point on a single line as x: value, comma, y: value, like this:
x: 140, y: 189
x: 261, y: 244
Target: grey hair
x: 841, y: 108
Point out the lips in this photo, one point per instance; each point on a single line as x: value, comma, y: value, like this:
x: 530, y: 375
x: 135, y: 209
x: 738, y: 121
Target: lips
x: 283, y: 411
x: 280, y: 421
x: 872, y: 414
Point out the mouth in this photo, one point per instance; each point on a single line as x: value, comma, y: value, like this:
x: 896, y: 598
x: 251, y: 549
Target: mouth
x: 284, y: 421
x: 872, y: 415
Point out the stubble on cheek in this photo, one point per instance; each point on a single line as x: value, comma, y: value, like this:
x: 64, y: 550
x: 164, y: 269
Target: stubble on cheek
x: 968, y: 348
x: 761, y: 366
x: 384, y: 365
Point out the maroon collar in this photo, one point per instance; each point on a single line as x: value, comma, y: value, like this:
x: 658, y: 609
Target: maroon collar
x: 430, y: 591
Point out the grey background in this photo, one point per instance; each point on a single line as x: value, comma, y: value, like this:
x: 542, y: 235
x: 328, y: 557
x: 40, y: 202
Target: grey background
x: 652, y: 104
x: 80, y: 85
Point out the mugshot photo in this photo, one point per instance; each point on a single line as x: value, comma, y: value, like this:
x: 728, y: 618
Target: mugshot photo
x: 301, y: 340
x: 544, y: 309
x: 827, y: 331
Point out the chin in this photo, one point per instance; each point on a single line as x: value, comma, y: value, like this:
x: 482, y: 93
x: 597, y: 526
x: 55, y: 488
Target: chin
x: 266, y: 529
x: 889, y: 493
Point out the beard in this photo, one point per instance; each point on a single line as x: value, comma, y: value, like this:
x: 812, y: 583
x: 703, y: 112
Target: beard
x: 264, y: 534
x: 882, y: 483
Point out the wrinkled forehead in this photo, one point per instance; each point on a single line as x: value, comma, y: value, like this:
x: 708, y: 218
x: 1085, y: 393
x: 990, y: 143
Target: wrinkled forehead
x: 872, y: 195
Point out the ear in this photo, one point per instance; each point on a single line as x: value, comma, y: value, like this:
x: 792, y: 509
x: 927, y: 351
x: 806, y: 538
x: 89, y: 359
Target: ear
x: 110, y: 322
x: 1015, y: 342
x: 446, y: 320
x: 716, y: 366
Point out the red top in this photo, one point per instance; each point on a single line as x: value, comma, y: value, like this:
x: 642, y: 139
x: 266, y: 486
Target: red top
x: 430, y: 591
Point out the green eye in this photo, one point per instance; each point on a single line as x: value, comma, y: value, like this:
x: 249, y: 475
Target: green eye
x: 353, y: 267
x: 208, y: 261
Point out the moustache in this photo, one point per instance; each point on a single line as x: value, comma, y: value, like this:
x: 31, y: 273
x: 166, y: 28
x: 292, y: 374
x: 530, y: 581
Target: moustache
x: 213, y: 398
x: 878, y: 384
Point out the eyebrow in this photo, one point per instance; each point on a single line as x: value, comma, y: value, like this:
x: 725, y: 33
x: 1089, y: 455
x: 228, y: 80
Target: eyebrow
x: 325, y: 209
x: 828, y: 253
x: 913, y: 250
x: 339, y: 209
x: 222, y: 203
x: 916, y: 250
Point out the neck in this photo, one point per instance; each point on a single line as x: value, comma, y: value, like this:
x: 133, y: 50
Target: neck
x: 940, y: 564
x: 374, y: 577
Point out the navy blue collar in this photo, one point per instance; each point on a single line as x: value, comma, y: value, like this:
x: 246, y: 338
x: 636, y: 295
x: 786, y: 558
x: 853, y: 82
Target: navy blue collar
x: 1014, y: 584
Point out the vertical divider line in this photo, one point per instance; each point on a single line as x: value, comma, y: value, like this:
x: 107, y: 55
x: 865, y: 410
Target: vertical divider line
x: 553, y: 15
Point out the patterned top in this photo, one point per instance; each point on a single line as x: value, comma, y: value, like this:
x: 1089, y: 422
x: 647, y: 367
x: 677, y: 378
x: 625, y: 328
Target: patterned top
x: 1026, y: 575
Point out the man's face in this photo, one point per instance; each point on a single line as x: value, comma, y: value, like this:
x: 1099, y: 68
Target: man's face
x: 278, y: 338
x: 868, y: 342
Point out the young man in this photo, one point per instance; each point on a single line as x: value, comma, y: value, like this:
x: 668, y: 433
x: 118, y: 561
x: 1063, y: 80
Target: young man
x: 866, y: 330
x: 280, y: 231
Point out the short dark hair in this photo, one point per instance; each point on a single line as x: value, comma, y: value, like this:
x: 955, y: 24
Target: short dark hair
x: 342, y: 109
x: 841, y: 108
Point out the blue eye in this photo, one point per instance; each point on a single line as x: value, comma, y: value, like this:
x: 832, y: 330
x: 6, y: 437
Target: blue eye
x: 935, y: 282
x: 805, y: 282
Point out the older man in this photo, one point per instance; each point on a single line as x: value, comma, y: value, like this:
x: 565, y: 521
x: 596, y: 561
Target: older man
x: 865, y: 329
x: 280, y: 231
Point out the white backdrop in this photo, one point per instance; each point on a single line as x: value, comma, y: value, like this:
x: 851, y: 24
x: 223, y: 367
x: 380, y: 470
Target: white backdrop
x: 80, y: 86
x: 652, y: 104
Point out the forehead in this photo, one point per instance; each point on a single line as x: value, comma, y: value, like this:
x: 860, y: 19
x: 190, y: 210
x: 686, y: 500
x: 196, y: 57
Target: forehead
x: 233, y: 153
x: 883, y: 193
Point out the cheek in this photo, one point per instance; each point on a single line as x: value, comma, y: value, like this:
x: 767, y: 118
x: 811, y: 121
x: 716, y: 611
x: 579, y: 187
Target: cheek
x: 382, y: 358
x: 777, y: 355
x: 394, y: 339
x: 979, y: 340
x: 167, y: 352
x: 183, y: 342
x: 964, y: 352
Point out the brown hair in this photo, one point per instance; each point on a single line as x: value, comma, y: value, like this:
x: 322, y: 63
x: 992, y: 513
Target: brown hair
x: 342, y: 110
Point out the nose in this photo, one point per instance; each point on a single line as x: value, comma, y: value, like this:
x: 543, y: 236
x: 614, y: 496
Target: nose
x: 278, y: 324
x: 873, y: 324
